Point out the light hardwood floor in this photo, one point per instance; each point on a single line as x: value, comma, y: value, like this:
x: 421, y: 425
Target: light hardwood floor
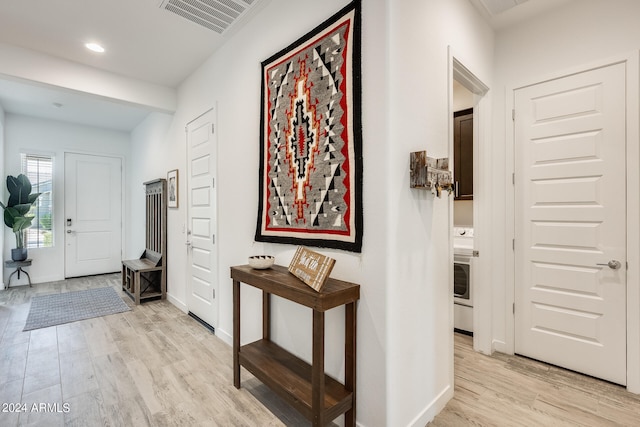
x: 152, y: 366
x: 504, y: 390
x: 155, y: 366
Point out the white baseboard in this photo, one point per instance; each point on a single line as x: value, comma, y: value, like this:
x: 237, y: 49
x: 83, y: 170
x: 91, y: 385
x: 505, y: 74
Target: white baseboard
x: 224, y: 336
x: 47, y: 279
x: 499, y: 346
x: 433, y: 408
x: 34, y: 279
x: 175, y: 301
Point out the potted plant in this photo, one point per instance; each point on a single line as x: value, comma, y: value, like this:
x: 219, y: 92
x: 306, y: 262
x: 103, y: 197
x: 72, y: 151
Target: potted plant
x: 16, y: 212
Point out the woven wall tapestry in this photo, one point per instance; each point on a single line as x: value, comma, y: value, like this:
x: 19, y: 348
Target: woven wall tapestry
x: 311, y: 139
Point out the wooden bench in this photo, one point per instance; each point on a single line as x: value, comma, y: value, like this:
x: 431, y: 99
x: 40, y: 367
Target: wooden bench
x: 142, y: 278
x: 146, y: 278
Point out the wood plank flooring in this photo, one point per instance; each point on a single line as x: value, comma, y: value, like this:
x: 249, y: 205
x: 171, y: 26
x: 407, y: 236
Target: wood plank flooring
x: 504, y: 390
x: 152, y: 366
x: 155, y: 366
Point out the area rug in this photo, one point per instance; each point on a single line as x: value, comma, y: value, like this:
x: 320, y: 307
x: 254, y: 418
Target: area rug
x: 57, y: 309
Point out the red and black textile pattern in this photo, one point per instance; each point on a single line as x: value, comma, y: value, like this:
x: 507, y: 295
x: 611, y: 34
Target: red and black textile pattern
x: 311, y: 139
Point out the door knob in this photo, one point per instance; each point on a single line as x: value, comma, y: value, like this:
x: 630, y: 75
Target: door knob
x: 614, y: 264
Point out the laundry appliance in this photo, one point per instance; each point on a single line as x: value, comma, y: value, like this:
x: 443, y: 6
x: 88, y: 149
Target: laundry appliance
x: 462, y: 278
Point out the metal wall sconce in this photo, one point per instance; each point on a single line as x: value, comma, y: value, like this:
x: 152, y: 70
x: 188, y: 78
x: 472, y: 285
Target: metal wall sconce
x: 430, y: 173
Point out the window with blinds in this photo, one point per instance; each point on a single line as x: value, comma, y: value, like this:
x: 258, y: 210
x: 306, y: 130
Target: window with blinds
x: 39, y: 170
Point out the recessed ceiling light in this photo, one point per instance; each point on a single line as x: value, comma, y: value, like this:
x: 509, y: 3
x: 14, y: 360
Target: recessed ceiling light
x: 94, y: 47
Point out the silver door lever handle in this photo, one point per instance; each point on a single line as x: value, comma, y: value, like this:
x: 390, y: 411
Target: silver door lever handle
x: 614, y: 264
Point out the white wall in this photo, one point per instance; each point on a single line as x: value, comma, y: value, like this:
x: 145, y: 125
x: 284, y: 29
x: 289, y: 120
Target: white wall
x: 231, y: 83
x: 578, y: 34
x: 27, y: 134
x: 157, y: 146
x: 420, y: 349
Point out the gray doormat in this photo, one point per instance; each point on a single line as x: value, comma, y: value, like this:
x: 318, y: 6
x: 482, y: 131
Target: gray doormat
x: 56, y: 309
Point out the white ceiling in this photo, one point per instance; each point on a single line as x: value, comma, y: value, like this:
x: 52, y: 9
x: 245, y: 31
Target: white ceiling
x: 46, y: 102
x: 502, y: 14
x: 142, y: 41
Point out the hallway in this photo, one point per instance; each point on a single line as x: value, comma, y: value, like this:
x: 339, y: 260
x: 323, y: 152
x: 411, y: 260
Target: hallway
x: 507, y: 390
x: 151, y: 366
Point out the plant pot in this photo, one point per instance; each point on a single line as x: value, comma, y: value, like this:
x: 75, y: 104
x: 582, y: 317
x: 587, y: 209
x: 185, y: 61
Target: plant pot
x: 19, y: 254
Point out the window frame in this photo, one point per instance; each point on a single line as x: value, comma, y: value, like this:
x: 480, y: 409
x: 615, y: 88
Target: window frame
x: 34, y: 239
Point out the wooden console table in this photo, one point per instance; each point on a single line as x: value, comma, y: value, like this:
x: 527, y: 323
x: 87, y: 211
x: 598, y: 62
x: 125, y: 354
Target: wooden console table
x: 317, y: 396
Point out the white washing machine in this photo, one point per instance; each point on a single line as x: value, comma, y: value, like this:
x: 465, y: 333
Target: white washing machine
x: 462, y: 280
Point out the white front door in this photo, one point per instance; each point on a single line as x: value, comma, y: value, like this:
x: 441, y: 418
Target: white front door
x: 93, y: 214
x: 570, y: 246
x: 202, y: 221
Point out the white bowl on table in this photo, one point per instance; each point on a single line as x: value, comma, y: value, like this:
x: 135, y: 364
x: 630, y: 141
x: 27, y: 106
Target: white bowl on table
x: 261, y: 262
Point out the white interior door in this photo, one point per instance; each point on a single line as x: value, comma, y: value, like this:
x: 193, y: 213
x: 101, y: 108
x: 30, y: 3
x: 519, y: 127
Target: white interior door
x: 571, y: 224
x: 202, y: 219
x: 93, y: 214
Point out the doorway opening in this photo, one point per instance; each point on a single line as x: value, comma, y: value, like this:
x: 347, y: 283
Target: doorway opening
x: 467, y: 111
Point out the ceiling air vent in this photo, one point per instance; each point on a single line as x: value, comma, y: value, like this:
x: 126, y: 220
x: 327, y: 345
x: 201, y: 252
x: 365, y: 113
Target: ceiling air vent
x: 496, y: 7
x: 216, y: 15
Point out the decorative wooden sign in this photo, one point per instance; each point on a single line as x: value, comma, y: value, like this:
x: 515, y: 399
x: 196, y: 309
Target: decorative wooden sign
x: 311, y: 267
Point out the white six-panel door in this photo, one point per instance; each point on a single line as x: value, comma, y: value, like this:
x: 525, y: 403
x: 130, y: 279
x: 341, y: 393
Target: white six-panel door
x: 93, y: 214
x: 201, y: 223
x: 570, y: 245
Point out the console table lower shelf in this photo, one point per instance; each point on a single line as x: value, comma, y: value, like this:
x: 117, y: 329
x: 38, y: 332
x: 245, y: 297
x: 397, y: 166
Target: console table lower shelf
x: 290, y: 378
x: 305, y: 386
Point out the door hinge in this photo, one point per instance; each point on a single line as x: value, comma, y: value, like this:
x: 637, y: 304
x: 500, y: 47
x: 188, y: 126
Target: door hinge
x: 213, y: 293
x: 513, y: 114
x: 513, y: 307
x: 213, y: 128
x: 513, y: 244
x: 213, y: 182
x: 213, y: 239
x: 513, y: 178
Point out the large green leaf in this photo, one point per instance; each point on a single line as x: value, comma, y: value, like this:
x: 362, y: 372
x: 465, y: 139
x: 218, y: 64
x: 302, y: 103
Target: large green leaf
x: 23, y: 209
x: 8, y: 218
x: 31, y: 199
x: 20, y: 201
x: 19, y: 189
x: 22, y: 223
x: 15, y: 213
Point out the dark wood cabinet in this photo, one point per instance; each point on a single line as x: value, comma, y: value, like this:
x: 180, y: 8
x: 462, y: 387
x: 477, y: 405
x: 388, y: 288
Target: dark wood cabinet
x: 305, y: 386
x: 463, y: 154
